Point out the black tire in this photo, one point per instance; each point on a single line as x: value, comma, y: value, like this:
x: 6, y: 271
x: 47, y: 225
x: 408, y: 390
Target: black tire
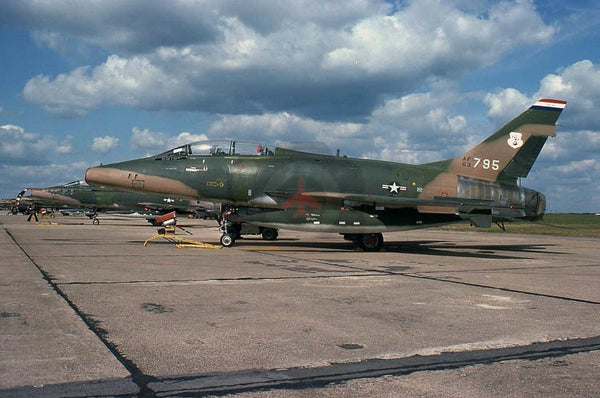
x: 371, y: 242
x: 95, y: 221
x: 269, y: 234
x: 235, y: 230
x: 227, y: 240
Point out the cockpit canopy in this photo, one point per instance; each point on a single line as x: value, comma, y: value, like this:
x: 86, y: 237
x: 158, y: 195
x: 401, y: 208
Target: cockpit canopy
x: 76, y: 184
x: 218, y: 148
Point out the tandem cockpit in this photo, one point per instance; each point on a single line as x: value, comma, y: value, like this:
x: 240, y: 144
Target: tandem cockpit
x: 217, y: 148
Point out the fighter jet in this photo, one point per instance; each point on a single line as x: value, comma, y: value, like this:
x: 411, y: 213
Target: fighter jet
x: 272, y: 187
x: 79, y: 195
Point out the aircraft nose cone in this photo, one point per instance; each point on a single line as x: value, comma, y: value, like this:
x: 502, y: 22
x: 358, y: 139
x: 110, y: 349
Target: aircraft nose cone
x: 105, y: 176
x: 92, y: 174
x: 131, y: 177
x: 52, y: 197
x: 39, y: 193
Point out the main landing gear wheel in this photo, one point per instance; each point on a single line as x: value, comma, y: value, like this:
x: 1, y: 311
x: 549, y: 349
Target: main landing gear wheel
x: 95, y: 221
x: 269, y: 234
x: 227, y: 240
x: 370, y: 242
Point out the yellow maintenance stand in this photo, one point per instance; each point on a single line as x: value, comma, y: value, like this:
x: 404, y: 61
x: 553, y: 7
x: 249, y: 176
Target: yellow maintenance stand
x: 167, y: 230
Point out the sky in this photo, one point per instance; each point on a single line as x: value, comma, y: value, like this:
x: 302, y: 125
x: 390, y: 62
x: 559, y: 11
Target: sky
x: 90, y: 82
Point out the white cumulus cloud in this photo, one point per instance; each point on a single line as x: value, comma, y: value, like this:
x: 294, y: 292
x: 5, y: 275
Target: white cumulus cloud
x: 19, y: 145
x: 325, y: 61
x: 156, y: 141
x: 578, y: 84
x: 104, y: 144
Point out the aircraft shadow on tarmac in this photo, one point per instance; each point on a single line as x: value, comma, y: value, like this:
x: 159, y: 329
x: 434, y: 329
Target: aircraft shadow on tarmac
x: 442, y: 248
x: 418, y: 247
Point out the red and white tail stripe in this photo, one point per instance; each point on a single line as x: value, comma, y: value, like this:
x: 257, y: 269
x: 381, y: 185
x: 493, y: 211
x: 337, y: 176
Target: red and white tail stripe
x: 550, y: 103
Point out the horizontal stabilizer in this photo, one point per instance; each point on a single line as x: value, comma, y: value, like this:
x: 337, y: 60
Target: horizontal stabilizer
x: 478, y: 220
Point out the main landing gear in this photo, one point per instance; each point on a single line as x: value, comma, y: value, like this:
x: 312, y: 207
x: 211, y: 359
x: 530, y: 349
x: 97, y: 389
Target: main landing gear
x: 366, y: 242
x: 233, y: 230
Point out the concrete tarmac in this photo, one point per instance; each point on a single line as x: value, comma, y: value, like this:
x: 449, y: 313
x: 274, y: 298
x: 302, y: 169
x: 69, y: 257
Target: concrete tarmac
x: 89, y: 311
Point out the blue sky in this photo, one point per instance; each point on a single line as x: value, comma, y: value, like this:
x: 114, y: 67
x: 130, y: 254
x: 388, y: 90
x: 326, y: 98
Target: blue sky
x: 406, y: 81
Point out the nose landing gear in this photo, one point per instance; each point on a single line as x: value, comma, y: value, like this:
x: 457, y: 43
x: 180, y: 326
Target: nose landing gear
x: 233, y: 230
x: 94, y: 217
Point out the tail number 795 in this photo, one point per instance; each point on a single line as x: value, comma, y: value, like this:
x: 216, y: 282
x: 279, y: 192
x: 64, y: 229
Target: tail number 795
x: 486, y: 164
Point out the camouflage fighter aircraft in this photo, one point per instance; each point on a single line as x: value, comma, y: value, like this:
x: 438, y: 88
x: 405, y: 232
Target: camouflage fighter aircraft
x: 273, y: 187
x: 78, y: 195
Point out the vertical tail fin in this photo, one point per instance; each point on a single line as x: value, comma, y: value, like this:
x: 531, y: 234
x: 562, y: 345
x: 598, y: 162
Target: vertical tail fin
x: 511, y: 151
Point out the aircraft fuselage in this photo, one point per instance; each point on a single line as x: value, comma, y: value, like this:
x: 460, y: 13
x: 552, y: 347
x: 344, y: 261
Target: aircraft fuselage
x: 315, y: 192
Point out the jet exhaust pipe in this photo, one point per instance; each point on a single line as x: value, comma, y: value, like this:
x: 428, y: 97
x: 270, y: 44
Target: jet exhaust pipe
x: 535, y: 205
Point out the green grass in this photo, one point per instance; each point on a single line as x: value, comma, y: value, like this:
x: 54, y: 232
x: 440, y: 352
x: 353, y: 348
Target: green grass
x: 560, y: 224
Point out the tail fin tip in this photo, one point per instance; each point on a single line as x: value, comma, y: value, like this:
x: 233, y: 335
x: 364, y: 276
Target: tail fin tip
x: 550, y: 104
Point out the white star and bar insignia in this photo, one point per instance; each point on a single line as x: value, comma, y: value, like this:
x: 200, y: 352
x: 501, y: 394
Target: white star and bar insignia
x: 393, y: 187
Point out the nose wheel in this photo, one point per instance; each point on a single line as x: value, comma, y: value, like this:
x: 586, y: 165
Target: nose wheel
x: 227, y: 240
x: 94, y: 217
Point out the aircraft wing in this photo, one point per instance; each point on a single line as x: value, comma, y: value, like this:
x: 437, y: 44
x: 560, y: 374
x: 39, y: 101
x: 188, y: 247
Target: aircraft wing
x: 400, y: 202
x: 193, y: 209
x: 168, y: 207
x: 394, y: 201
x: 155, y: 206
x: 477, y: 211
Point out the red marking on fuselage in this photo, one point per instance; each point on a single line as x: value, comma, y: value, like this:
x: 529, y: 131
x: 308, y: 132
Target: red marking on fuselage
x: 301, y: 201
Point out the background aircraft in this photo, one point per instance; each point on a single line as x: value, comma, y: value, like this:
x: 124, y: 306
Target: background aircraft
x: 358, y: 198
x: 8, y: 204
x: 79, y: 195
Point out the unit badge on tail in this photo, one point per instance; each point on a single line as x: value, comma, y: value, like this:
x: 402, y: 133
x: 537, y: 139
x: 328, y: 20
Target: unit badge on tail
x: 515, y: 140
